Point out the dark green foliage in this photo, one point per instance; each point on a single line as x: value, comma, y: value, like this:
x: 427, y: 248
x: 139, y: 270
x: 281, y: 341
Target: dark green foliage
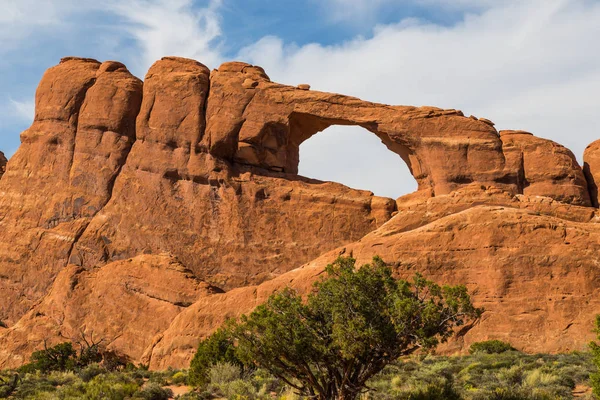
x: 90, y: 372
x: 8, y: 384
x: 595, y: 350
x: 509, y: 375
x: 355, y: 323
x: 154, y: 391
x: 490, y: 347
x: 217, y: 348
x: 61, y: 357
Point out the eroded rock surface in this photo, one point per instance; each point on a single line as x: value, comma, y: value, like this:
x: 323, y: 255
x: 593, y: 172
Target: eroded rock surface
x: 125, y: 303
x: 3, y: 162
x: 62, y: 174
x: 179, y: 198
x: 591, y: 168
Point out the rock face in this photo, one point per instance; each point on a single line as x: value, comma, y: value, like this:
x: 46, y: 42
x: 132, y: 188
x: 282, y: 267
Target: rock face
x: 591, y: 168
x: 148, y: 213
x: 3, y: 162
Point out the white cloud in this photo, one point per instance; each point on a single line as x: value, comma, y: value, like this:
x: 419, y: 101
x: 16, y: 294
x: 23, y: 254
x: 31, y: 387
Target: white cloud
x: 525, y: 64
x: 158, y: 27
x: 365, y: 11
x: 354, y: 11
x: 529, y: 65
x: 24, y: 110
x: 172, y: 27
x: 19, y: 18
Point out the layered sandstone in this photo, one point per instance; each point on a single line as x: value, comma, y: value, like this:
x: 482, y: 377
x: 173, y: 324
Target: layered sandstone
x: 148, y: 213
x: 591, y: 168
x: 3, y: 162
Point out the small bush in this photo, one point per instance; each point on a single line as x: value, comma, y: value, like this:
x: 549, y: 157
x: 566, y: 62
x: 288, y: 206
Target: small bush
x: 238, y: 389
x: 491, y: 347
x: 216, y: 348
x: 154, y: 391
x: 90, y: 372
x: 223, y: 372
x: 58, y: 358
x: 179, y: 378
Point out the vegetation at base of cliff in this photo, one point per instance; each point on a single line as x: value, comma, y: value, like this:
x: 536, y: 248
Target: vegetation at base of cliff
x: 490, y: 347
x: 354, y: 323
x: 595, y: 350
x: 509, y: 375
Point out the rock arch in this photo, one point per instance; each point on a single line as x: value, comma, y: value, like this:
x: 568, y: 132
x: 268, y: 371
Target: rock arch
x: 442, y: 148
x: 264, y: 124
x: 357, y: 158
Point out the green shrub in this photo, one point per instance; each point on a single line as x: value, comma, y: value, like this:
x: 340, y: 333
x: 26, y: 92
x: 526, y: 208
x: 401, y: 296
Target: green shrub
x: 90, y: 372
x: 8, y: 384
x: 357, y: 321
x: 595, y: 350
x: 196, y: 396
x: 61, y: 357
x: 238, y: 390
x: 179, y: 378
x: 154, y: 391
x: 216, y: 348
x: 223, y: 372
x: 490, y: 347
x: 433, y: 391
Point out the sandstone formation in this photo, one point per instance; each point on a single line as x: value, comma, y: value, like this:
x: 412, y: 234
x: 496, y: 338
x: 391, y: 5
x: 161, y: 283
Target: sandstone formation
x: 148, y: 213
x: 3, y: 162
x: 109, y: 303
x: 591, y: 168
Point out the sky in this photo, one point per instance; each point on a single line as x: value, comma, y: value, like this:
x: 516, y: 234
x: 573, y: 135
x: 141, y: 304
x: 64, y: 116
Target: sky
x: 524, y: 64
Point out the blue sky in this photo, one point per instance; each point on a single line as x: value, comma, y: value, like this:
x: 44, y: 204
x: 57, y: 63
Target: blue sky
x: 525, y: 64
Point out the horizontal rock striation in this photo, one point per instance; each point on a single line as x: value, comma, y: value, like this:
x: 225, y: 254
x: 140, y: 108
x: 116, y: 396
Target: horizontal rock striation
x: 149, y: 212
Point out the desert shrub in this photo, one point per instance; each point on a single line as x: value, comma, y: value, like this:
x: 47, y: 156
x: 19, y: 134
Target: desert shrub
x: 265, y: 382
x: 153, y: 391
x: 141, y: 373
x: 218, y: 347
x: 90, y: 372
x: 8, y: 384
x: 106, y: 389
x: 179, y: 378
x: 490, y: 347
x: 481, y: 376
x: 64, y: 357
x: 595, y: 350
x: 196, y: 396
x: 112, y: 361
x: 433, y: 391
x: 61, y: 357
x: 223, y: 372
x: 355, y: 323
x: 238, y: 390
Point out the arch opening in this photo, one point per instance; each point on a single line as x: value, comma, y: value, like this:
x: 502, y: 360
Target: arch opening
x: 357, y: 158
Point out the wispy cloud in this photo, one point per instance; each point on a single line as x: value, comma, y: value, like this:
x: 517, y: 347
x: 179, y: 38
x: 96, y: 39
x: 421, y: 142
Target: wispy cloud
x: 526, y: 65
x: 172, y: 27
x: 24, y: 110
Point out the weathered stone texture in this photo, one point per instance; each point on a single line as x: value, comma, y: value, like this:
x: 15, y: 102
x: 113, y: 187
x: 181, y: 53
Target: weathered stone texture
x: 148, y: 213
x: 3, y: 162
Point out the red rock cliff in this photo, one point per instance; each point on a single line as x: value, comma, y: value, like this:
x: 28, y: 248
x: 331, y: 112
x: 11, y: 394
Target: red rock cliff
x: 149, y: 212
